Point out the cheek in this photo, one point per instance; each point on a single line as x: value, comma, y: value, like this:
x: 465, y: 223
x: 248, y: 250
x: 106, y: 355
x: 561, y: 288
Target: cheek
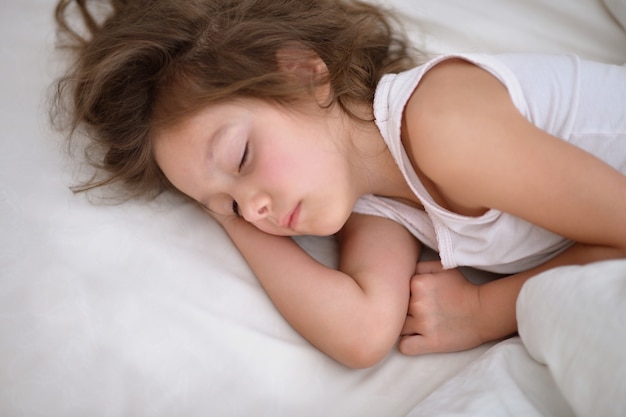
x: 279, y: 168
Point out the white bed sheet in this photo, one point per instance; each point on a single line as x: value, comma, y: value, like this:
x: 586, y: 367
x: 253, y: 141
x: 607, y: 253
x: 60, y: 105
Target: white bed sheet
x: 146, y: 309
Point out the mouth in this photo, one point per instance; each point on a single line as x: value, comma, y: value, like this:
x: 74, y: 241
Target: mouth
x: 290, y: 221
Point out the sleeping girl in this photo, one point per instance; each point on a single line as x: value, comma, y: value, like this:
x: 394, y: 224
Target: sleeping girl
x: 291, y: 117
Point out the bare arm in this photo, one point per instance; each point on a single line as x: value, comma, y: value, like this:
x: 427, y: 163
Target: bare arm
x: 355, y: 314
x: 479, y: 152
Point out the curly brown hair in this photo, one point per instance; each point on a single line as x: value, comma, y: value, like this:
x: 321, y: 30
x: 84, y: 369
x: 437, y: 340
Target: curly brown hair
x: 140, y: 64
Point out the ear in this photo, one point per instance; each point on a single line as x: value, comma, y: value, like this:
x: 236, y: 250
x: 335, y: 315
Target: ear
x: 306, y: 67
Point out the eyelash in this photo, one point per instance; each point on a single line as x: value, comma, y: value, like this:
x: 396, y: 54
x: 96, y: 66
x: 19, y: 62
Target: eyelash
x: 242, y: 164
x: 244, y: 157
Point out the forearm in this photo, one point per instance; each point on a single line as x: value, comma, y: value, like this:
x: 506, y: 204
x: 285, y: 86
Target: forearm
x: 356, y: 325
x: 498, y: 298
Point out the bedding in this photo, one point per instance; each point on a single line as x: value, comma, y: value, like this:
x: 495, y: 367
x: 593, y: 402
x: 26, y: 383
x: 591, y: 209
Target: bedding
x: 145, y: 308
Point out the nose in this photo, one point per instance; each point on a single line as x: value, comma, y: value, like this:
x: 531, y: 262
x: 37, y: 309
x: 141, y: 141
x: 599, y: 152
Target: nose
x: 255, y: 207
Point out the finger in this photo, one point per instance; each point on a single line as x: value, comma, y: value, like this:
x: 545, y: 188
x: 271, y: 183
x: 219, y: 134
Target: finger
x: 429, y: 267
x: 412, y: 345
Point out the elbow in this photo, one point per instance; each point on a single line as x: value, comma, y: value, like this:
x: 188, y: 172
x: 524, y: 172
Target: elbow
x: 364, y: 352
x: 363, y: 361
x: 368, y: 342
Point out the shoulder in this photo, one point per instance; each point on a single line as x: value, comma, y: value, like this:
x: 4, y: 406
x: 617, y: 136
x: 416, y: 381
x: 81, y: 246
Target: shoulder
x: 452, y: 123
x: 450, y: 86
x: 452, y: 96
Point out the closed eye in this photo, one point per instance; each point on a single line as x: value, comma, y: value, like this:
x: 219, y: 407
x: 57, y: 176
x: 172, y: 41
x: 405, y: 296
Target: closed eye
x: 244, y: 158
x: 242, y: 164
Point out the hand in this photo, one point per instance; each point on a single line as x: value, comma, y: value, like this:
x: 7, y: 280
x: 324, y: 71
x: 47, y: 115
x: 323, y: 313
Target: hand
x: 443, y: 313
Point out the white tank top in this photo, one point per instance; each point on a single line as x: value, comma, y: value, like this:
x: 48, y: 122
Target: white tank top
x: 579, y: 101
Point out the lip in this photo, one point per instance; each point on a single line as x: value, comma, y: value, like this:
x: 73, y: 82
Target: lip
x: 291, y: 220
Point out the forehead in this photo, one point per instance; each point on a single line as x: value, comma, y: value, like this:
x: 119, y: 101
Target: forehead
x: 179, y: 149
x: 201, y: 124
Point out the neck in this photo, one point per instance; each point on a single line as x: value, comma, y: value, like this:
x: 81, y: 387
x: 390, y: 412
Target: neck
x: 373, y: 166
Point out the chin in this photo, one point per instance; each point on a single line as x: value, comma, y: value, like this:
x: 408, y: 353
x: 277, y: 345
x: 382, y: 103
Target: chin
x: 329, y: 229
x: 323, y: 231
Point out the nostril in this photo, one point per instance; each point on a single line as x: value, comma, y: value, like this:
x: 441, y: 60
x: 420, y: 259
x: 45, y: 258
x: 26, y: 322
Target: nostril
x: 262, y: 210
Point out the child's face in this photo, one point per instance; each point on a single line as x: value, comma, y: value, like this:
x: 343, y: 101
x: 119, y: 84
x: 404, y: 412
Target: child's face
x: 287, y: 172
